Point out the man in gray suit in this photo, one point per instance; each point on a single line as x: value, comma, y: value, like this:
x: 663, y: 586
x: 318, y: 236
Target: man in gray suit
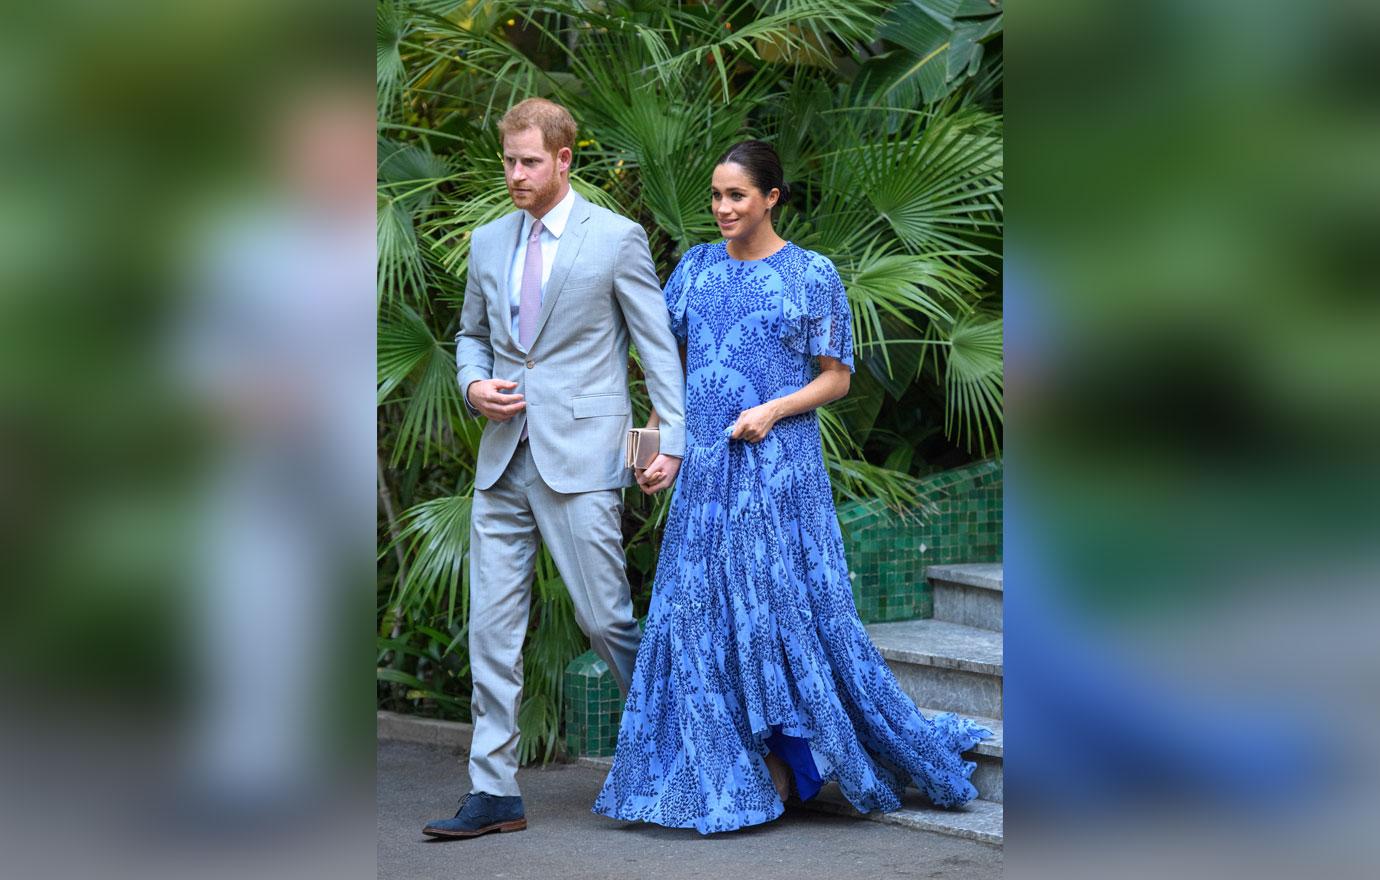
x: 556, y: 290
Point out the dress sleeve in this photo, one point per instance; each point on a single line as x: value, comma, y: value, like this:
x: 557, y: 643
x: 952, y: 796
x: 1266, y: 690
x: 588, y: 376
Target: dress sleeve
x: 677, y: 287
x: 816, y: 319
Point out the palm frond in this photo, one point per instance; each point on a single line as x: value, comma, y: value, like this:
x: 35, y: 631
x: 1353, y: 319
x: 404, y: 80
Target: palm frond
x: 432, y: 408
x: 973, y: 383
x: 455, y: 56
x: 853, y: 477
x: 907, y: 288
x: 390, y: 26
x: 400, y: 268
x: 800, y: 30
x: 941, y: 46
x: 411, y: 359
x: 668, y: 134
x: 435, y: 538
x: 410, y: 174
x: 937, y: 183
x: 404, y: 343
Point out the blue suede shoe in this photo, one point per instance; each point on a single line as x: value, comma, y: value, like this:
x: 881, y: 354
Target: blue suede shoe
x: 481, y: 813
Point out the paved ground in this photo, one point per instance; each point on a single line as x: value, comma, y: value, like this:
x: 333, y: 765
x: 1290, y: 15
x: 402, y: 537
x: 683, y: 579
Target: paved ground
x: 564, y: 839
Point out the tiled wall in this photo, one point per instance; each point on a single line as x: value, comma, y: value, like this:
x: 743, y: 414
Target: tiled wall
x: 591, y: 706
x: 958, y: 519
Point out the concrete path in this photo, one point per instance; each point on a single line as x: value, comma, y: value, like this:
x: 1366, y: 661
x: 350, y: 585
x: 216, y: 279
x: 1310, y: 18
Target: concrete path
x: 417, y: 782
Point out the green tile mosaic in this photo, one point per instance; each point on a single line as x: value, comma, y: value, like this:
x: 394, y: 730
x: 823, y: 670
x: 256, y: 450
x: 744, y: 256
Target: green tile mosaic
x: 957, y: 519
x: 592, y: 707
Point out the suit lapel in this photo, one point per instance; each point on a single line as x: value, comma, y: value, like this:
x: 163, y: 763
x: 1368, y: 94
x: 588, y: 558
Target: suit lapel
x: 569, y: 248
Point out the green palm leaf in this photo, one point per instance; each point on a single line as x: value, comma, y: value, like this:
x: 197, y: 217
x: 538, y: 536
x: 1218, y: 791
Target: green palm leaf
x: 853, y: 477
x: 906, y: 288
x: 435, y: 538
x: 404, y: 343
x: 410, y: 178
x: 937, y: 184
x: 470, y: 59
x: 390, y: 24
x: 411, y: 174
x: 973, y: 383
x: 941, y: 45
x: 796, y: 30
x: 668, y: 134
x: 407, y: 349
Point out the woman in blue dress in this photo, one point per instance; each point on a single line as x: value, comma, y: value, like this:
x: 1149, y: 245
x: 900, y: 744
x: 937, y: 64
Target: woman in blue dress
x: 754, y: 669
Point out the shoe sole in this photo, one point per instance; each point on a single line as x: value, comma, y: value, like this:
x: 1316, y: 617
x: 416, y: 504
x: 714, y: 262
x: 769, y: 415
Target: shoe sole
x: 501, y: 827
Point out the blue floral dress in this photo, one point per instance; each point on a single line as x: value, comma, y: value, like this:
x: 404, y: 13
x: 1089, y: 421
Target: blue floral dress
x: 752, y: 643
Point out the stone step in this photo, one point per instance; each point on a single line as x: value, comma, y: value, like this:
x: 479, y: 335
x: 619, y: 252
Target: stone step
x: 984, y: 575
x: 988, y: 777
x: 968, y: 594
x: 979, y: 820
x: 944, y: 665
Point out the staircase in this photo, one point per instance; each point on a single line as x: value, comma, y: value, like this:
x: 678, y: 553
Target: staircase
x: 951, y: 663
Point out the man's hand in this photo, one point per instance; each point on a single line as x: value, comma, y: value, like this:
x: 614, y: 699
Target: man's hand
x: 490, y: 397
x: 754, y: 424
x: 660, y: 474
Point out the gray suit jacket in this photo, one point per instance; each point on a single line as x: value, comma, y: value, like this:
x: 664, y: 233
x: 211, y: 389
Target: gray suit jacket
x: 602, y: 292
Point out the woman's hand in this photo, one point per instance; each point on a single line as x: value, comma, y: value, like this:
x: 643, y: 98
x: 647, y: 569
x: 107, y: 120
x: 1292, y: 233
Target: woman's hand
x: 754, y: 424
x: 660, y: 474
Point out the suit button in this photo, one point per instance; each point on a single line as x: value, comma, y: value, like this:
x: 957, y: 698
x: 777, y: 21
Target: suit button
x: 531, y: 364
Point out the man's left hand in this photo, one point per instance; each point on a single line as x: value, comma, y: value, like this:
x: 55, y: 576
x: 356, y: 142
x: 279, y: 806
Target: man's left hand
x: 660, y: 474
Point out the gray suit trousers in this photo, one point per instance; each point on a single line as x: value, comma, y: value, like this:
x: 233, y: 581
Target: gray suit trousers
x: 583, y: 532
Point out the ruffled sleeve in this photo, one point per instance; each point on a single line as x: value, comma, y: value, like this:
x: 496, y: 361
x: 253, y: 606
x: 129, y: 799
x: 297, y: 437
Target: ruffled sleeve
x: 816, y: 319
x: 676, y: 293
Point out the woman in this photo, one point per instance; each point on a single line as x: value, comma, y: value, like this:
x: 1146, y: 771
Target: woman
x: 754, y: 669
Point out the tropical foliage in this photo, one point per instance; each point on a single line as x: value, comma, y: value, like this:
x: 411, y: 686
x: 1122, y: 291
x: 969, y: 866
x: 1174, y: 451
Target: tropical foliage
x: 887, y: 119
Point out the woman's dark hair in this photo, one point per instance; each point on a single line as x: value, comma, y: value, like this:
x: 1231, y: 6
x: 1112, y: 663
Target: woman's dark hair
x: 762, y: 165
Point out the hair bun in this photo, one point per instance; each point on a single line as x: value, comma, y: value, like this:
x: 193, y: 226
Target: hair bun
x: 785, y: 193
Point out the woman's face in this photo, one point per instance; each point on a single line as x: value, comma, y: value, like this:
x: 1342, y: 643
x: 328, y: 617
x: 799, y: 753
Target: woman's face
x: 738, y: 205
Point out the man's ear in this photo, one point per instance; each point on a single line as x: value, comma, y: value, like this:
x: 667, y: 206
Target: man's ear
x: 563, y: 157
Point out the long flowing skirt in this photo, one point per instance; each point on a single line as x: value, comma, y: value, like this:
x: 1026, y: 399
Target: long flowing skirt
x: 753, y: 645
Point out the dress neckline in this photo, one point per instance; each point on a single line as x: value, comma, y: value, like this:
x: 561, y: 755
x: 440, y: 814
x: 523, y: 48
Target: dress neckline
x: 769, y: 256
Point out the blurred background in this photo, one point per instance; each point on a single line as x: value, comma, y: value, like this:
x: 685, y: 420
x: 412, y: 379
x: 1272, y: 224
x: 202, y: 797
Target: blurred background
x: 1191, y: 342
x: 1193, y: 349
x: 186, y: 441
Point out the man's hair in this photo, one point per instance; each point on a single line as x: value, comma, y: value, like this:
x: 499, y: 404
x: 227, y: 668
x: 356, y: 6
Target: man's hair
x: 556, y: 124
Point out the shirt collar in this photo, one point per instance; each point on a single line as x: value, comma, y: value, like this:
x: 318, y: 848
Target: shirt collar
x: 555, y: 219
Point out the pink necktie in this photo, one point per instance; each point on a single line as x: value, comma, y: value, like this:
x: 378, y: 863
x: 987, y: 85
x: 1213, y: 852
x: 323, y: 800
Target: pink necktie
x: 529, y: 302
x: 529, y: 299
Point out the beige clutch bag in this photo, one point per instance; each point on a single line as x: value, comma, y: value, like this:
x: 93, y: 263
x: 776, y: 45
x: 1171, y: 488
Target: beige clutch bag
x: 643, y: 446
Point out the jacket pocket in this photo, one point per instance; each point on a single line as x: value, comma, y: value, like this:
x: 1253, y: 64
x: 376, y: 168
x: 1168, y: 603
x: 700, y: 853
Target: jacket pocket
x: 591, y: 405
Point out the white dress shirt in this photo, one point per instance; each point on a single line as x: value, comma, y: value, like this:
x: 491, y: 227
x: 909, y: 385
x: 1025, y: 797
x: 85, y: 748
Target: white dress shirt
x: 553, y: 224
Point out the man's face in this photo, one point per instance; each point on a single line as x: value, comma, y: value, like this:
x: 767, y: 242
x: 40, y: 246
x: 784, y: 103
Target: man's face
x: 535, y: 177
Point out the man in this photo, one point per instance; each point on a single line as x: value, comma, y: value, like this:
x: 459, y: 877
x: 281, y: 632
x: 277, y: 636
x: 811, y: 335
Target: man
x: 555, y: 292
